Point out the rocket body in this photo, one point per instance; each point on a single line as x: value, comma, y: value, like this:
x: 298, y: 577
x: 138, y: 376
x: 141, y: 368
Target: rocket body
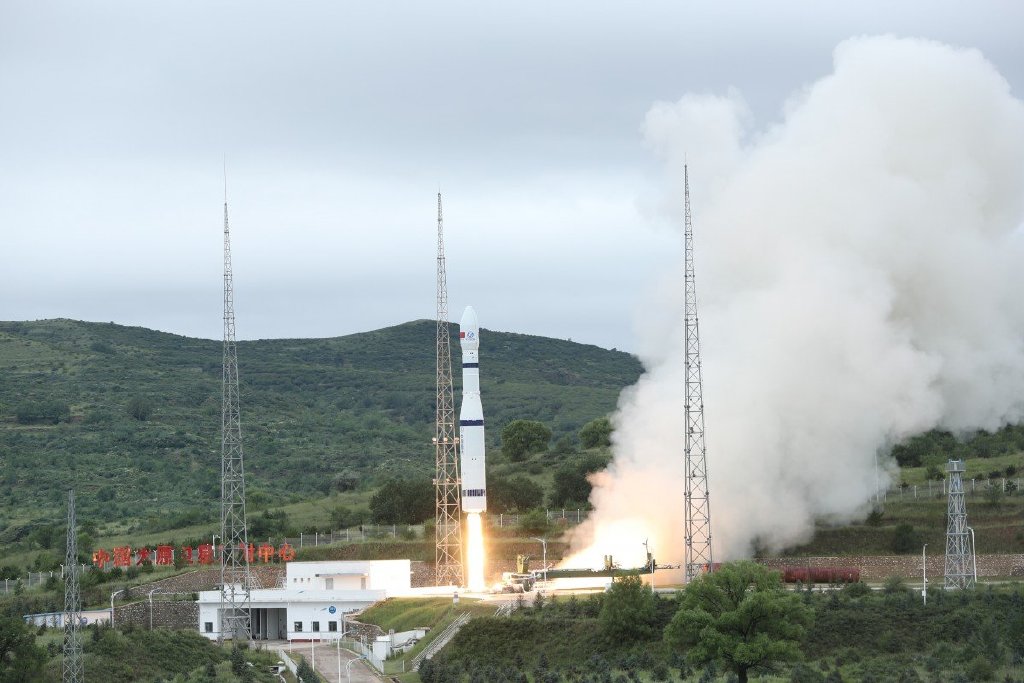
x: 471, y: 418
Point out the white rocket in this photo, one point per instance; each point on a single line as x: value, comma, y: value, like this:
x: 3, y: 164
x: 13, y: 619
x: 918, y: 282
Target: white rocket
x: 471, y: 417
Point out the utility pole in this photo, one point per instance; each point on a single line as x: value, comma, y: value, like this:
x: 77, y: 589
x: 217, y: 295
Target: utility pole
x: 73, y: 670
x: 448, y: 518
x: 697, y: 523
x: 235, y: 579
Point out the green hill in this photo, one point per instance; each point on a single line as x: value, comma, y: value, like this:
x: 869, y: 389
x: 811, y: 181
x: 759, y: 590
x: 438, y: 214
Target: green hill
x: 318, y: 415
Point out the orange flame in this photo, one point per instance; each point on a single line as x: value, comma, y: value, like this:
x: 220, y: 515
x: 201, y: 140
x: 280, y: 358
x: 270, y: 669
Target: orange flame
x: 475, y: 553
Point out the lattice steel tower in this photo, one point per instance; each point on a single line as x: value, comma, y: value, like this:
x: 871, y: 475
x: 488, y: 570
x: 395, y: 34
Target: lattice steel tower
x: 234, y: 563
x: 697, y: 532
x: 959, y: 548
x: 448, y: 528
x: 73, y: 668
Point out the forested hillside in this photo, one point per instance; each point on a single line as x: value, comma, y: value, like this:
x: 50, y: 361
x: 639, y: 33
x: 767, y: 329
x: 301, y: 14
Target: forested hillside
x: 131, y: 417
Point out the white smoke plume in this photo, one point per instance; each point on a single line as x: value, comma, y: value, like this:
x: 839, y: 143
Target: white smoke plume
x: 858, y: 271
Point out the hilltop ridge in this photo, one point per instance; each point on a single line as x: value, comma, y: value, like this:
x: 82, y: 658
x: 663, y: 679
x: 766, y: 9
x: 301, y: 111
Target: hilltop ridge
x: 136, y: 426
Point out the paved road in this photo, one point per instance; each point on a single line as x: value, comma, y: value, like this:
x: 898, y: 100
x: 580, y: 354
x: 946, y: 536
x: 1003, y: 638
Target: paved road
x: 327, y: 662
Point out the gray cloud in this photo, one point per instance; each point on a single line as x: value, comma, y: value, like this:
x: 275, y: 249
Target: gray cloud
x: 339, y: 122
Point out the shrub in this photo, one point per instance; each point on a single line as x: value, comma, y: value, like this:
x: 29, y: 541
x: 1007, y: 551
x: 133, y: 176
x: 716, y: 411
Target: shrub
x: 980, y: 669
x: 905, y: 539
x: 534, y: 522
x: 140, y: 408
x: 42, y: 412
x: 894, y: 584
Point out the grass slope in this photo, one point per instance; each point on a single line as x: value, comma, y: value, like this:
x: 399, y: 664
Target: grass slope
x: 319, y: 415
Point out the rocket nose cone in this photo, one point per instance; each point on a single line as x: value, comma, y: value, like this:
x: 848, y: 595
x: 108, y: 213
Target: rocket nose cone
x: 469, y: 328
x: 469, y: 320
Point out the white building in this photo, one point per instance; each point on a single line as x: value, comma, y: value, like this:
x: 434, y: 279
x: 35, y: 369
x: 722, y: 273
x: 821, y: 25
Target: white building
x: 314, y: 599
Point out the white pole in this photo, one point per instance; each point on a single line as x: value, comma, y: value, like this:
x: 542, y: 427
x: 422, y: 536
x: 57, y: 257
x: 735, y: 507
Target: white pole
x: 151, y: 607
x: 112, y: 606
x: 338, y: 642
x: 974, y: 555
x: 924, y: 574
x: 544, y: 544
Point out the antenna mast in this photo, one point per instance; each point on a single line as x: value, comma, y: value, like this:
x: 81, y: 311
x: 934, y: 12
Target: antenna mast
x: 448, y: 529
x: 234, y: 564
x: 73, y: 670
x: 959, y: 551
x: 697, y: 524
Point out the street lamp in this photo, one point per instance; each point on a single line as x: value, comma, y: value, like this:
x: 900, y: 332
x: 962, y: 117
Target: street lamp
x: 974, y: 555
x: 155, y: 590
x: 650, y: 562
x: 348, y: 667
x: 112, y: 606
x: 544, y: 544
x: 924, y: 574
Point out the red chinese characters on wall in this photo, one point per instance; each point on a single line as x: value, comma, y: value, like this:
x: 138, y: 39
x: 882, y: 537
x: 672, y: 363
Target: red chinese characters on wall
x: 204, y: 554
x: 164, y: 555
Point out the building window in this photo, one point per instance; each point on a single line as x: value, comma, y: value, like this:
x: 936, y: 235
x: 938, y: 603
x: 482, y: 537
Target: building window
x: 208, y: 626
x: 316, y: 626
x: 332, y: 626
x: 298, y: 627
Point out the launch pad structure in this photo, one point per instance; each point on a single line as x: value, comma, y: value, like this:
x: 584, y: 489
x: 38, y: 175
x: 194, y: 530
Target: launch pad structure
x: 448, y: 517
x: 697, y: 515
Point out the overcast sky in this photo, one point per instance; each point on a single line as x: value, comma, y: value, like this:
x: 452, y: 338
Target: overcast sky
x: 340, y: 121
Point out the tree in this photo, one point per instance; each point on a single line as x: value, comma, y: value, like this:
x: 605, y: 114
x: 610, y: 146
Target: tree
x: 741, y: 617
x: 521, y: 438
x: 515, y: 494
x: 20, y: 658
x: 305, y: 672
x: 596, y: 433
x: 628, y: 611
x: 572, y: 484
x: 403, y: 501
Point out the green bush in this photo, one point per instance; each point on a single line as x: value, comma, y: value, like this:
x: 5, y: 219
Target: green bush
x: 596, y: 433
x: 42, y: 412
x: 521, y: 438
x: 140, y: 408
x: 905, y: 539
x: 534, y: 522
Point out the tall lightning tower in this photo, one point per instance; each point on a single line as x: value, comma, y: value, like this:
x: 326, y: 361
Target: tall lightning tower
x: 697, y: 525
x: 234, y: 560
x: 959, y: 549
x: 448, y: 528
x: 73, y: 669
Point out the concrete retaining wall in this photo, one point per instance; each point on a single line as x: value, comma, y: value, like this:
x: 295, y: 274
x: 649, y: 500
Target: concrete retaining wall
x: 175, y: 614
x: 880, y: 567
